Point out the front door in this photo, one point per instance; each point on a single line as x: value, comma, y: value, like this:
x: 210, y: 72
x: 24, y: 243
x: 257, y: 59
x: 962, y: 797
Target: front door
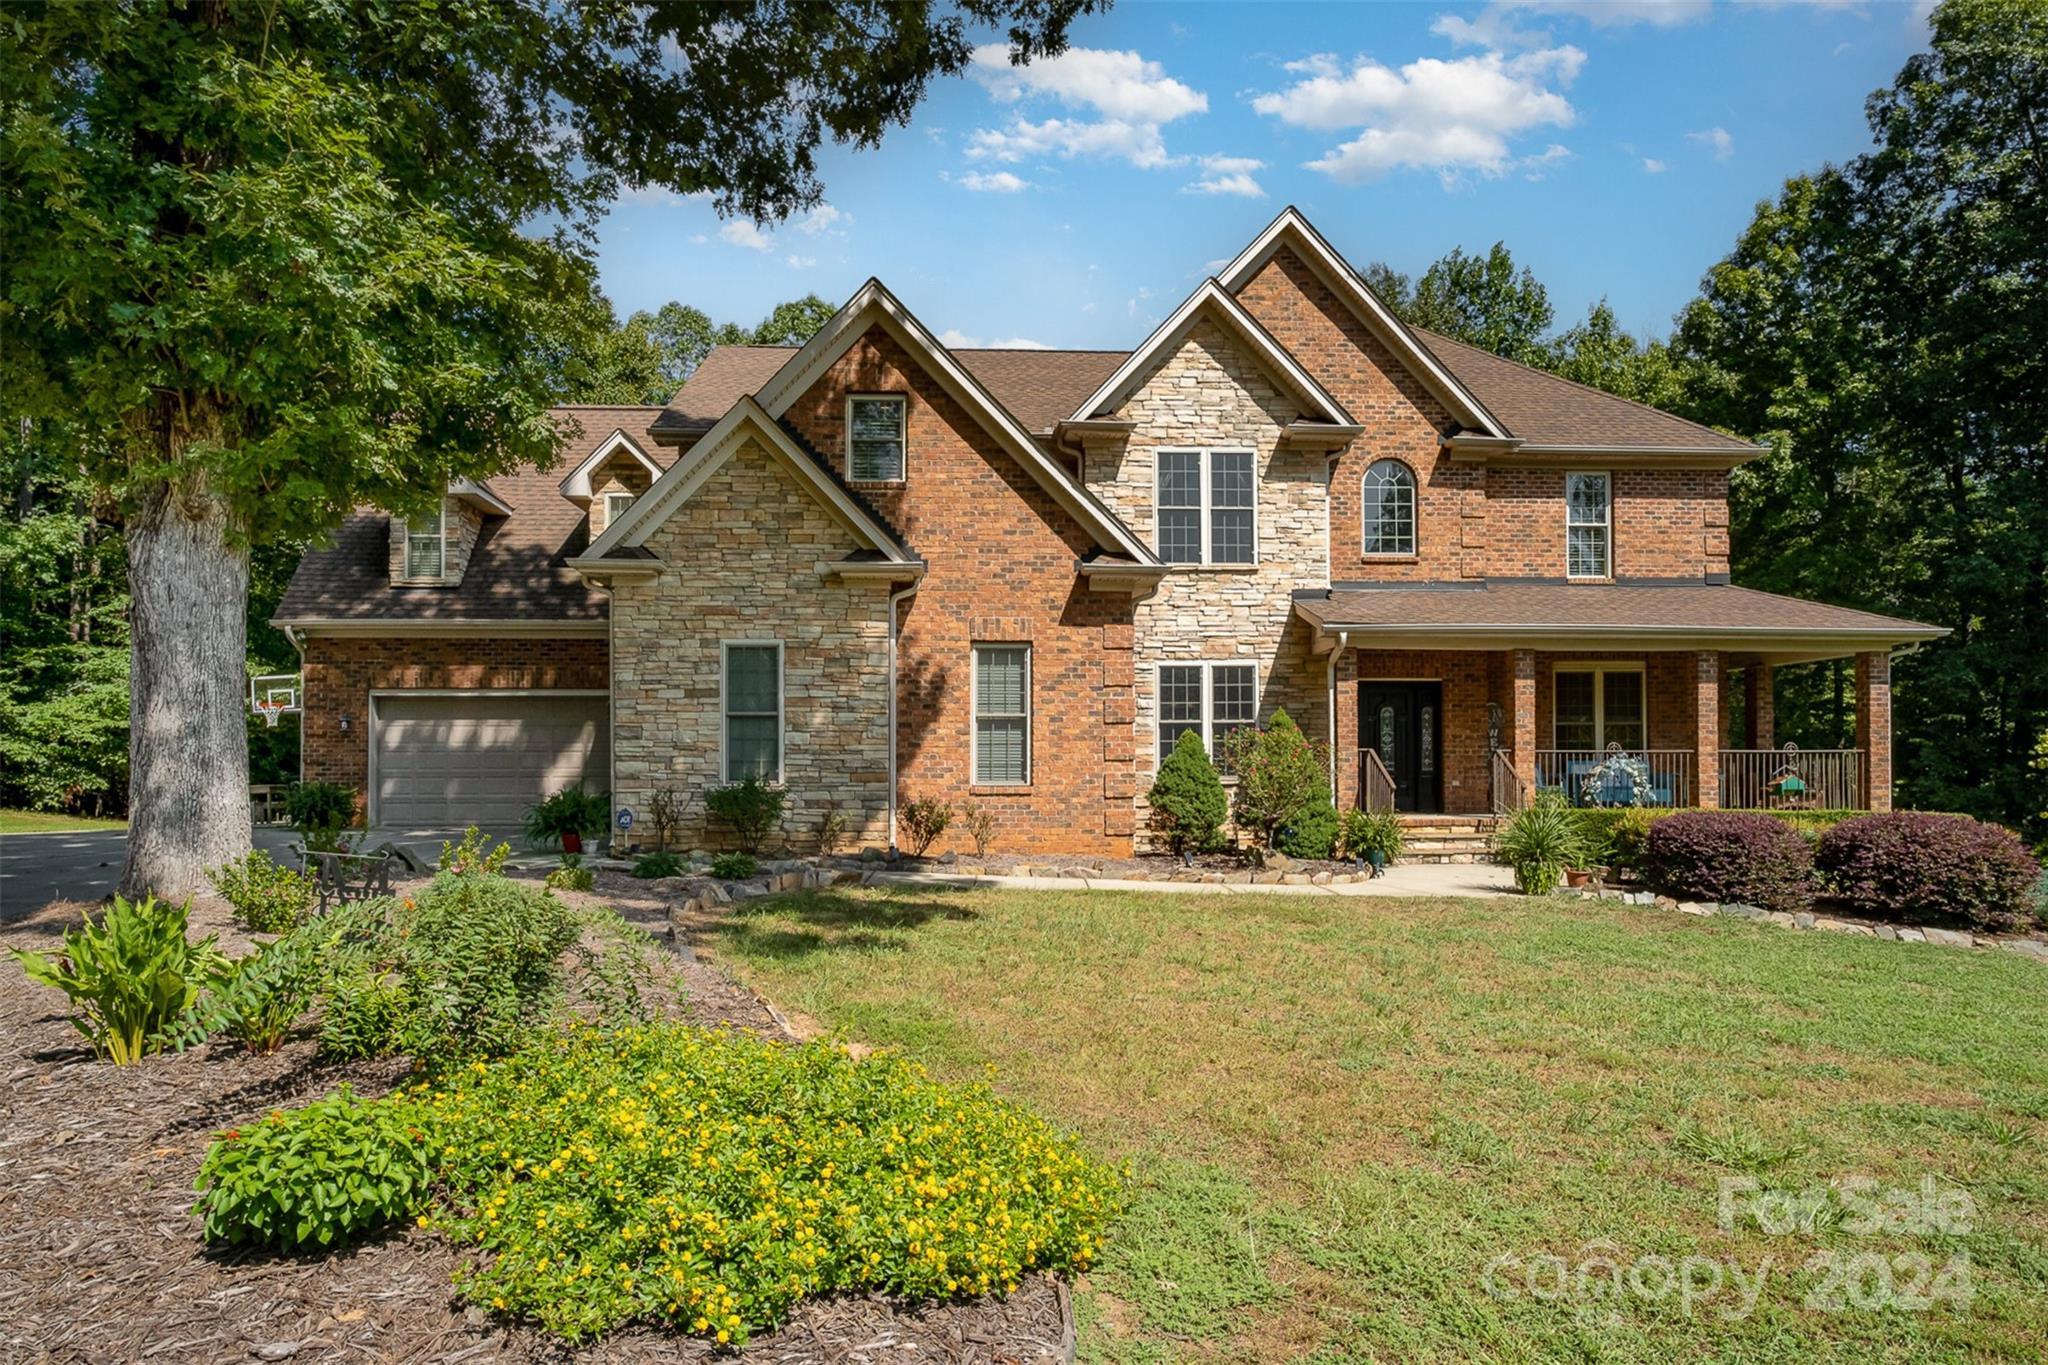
x: 1402, y: 720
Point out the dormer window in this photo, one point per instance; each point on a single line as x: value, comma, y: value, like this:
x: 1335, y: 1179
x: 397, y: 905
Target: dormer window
x: 875, y: 438
x: 426, y: 545
x: 615, y: 505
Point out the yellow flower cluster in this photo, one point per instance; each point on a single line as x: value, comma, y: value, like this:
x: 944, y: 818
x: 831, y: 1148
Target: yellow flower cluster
x: 709, y: 1180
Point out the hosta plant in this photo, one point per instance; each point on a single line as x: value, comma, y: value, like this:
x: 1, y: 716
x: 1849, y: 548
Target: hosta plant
x: 129, y: 975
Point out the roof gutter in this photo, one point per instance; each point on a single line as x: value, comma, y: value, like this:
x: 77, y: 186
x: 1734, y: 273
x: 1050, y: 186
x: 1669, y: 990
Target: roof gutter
x: 306, y: 627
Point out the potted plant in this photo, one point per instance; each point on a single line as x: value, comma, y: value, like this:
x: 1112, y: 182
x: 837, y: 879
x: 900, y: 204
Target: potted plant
x: 1373, y: 837
x: 1539, y: 842
x: 565, y: 817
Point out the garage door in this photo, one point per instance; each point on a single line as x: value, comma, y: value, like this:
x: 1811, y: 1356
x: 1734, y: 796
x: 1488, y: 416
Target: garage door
x: 448, y: 762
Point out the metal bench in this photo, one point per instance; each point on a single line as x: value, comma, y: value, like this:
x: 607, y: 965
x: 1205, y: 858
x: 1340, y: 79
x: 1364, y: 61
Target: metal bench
x: 342, y: 877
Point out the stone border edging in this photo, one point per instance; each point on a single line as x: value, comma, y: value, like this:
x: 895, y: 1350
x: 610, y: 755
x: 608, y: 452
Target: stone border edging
x: 1948, y: 938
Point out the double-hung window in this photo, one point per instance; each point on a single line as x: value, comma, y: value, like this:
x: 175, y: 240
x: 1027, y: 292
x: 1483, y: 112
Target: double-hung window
x: 1595, y: 707
x: 875, y: 437
x: 751, y: 697
x: 1588, y: 526
x: 426, y: 545
x: 1387, y: 508
x: 615, y: 505
x: 1209, y: 699
x: 1207, y: 506
x: 1002, y: 715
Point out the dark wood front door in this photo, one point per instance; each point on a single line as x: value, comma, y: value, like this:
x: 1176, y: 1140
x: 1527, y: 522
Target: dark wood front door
x: 1404, y: 722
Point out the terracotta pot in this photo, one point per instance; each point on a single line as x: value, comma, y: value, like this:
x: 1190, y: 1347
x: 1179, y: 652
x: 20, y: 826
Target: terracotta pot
x: 1576, y: 876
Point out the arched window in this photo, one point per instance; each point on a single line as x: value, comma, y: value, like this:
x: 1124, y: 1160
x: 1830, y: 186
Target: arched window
x: 1389, y: 509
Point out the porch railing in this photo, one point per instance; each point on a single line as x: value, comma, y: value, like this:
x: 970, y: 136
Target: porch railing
x: 1792, y: 779
x: 1377, y: 782
x: 1567, y: 770
x: 1506, y: 784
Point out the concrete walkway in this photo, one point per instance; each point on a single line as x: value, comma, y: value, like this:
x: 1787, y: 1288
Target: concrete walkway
x: 1403, y: 879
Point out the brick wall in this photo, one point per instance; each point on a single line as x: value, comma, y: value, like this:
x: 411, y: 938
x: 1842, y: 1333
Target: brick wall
x: 743, y: 553
x: 340, y: 674
x: 1470, y: 678
x: 1667, y: 523
x: 1002, y: 558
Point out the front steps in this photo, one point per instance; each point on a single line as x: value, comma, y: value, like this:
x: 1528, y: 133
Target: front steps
x: 1447, y: 838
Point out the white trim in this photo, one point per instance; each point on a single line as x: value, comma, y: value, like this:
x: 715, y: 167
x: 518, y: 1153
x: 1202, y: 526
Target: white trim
x: 725, y: 648
x: 1414, y: 549
x: 874, y: 306
x: 974, y: 648
x: 575, y: 486
x: 1600, y: 668
x: 685, y: 477
x: 371, y: 722
x: 480, y: 494
x: 1606, y: 525
x: 902, y: 402
x: 1204, y: 459
x: 611, y: 496
x: 1153, y: 351
x: 1291, y: 228
x: 405, y: 550
x: 1207, y: 667
x: 415, y: 627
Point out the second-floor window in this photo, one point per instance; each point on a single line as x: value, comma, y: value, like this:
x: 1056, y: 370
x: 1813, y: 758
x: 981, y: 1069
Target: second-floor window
x: 875, y: 437
x: 1588, y: 526
x: 426, y: 546
x: 1208, y: 507
x: 615, y: 505
x: 1389, y: 509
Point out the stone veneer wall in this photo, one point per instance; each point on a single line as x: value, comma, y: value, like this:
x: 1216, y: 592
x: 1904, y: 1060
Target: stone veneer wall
x: 465, y: 524
x: 742, y: 556
x: 620, y: 474
x: 339, y: 673
x: 1211, y: 394
x: 1002, y: 556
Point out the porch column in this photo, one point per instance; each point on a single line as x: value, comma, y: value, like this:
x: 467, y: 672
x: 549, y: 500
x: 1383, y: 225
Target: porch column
x: 1523, y: 718
x: 1874, y: 727
x: 1706, y: 759
x: 1760, y: 705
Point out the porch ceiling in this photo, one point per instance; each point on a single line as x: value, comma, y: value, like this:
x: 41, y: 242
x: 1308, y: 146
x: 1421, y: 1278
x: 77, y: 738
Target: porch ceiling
x: 1495, y: 615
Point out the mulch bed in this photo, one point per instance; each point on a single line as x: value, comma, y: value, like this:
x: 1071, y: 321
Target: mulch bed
x: 103, y: 1260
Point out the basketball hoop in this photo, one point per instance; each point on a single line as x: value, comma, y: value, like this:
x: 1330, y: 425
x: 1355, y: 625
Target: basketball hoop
x: 272, y: 695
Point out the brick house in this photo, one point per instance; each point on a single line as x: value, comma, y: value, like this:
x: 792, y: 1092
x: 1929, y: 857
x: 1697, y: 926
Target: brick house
x: 874, y: 569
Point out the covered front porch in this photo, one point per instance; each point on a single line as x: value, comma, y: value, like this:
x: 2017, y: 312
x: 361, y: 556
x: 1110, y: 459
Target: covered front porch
x: 1474, y: 716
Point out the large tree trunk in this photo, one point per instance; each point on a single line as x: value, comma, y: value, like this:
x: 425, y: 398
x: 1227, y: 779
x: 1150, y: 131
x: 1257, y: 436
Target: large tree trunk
x: 188, y: 745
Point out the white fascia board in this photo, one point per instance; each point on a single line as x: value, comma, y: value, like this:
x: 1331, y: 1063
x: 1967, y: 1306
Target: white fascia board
x: 682, y: 479
x: 576, y: 486
x: 1212, y: 296
x: 873, y: 305
x: 1291, y: 228
x: 480, y: 495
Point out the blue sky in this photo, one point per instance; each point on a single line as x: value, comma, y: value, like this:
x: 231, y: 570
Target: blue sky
x: 1617, y: 146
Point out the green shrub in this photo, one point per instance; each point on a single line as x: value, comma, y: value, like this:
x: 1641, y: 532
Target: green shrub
x: 711, y: 1180
x: 1539, y: 842
x: 1361, y: 833
x: 256, y: 999
x: 555, y: 818
x: 571, y: 877
x: 1280, y: 774
x: 1914, y: 867
x: 924, y: 821
x: 652, y: 865
x: 320, y: 1175
x: 130, y: 976
x: 734, y: 867
x: 1187, y: 798
x: 1730, y: 856
x: 320, y: 811
x: 459, y: 971
x: 474, y: 854
x: 268, y: 898
x: 1312, y: 833
x: 750, y: 808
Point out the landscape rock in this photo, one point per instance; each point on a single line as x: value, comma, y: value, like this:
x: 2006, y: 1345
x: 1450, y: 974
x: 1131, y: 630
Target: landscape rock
x: 1949, y: 938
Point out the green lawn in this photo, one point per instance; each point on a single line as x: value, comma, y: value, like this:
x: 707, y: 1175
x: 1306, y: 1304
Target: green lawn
x: 1341, y: 1113
x: 44, y: 822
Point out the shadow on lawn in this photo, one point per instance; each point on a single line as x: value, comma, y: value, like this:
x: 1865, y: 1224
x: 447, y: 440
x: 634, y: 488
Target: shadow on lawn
x: 830, y: 921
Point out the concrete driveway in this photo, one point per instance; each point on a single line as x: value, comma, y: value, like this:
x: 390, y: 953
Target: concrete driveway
x: 36, y: 869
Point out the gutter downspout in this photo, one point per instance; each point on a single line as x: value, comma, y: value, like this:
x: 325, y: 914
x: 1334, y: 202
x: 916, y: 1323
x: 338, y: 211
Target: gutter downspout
x: 1343, y: 640
x: 895, y: 600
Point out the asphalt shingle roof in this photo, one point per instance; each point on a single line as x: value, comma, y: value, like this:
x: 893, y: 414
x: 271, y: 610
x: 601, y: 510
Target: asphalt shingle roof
x: 1592, y: 606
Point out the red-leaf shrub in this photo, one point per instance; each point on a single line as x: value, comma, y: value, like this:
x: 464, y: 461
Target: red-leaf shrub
x: 1914, y: 867
x: 1736, y: 857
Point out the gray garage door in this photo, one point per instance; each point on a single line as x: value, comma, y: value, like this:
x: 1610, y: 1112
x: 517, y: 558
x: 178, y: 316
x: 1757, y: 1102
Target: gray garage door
x: 447, y: 762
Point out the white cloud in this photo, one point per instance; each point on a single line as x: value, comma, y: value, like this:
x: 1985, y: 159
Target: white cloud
x: 1654, y: 166
x: 740, y: 232
x: 660, y: 194
x: 1494, y: 26
x: 800, y: 262
x: 1717, y: 140
x: 954, y: 339
x: 1130, y: 95
x: 992, y: 182
x: 823, y: 218
x: 1446, y: 116
x: 1228, y: 175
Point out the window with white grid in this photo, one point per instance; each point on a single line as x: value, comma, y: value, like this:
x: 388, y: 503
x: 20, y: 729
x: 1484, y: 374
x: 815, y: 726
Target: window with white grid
x: 1588, y: 503
x: 1207, y: 506
x: 1210, y: 699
